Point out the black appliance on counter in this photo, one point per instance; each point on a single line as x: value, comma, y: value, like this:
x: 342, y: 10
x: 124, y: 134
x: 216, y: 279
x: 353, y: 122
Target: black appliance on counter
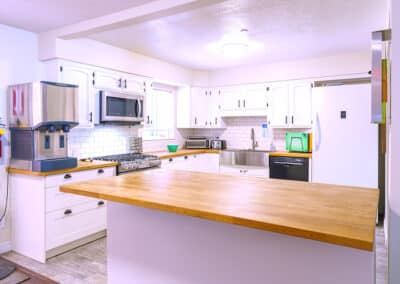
x: 289, y: 168
x: 132, y: 162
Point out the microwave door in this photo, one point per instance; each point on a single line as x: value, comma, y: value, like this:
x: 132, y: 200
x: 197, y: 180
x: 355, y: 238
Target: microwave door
x: 119, y: 107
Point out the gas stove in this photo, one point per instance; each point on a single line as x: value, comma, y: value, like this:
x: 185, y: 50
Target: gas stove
x: 132, y: 162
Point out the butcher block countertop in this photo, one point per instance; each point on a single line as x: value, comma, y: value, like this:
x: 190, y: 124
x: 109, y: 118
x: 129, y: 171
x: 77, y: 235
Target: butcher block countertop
x: 290, y: 154
x: 182, y: 152
x: 338, y: 215
x: 82, y: 166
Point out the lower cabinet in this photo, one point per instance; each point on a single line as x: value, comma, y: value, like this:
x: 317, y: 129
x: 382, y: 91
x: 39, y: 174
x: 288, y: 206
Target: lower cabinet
x: 244, y: 171
x: 47, y: 222
x: 207, y: 163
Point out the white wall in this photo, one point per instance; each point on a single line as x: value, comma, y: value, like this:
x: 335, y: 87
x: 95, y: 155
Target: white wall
x: 18, y: 63
x: 330, y: 66
x: 394, y: 157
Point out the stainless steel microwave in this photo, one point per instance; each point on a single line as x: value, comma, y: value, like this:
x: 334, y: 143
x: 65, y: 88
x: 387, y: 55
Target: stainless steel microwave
x: 120, y: 107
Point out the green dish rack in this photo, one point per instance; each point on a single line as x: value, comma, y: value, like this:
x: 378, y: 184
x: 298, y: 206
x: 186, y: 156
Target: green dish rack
x: 297, y: 142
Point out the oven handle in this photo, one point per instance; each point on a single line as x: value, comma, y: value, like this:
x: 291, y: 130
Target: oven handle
x: 139, y: 107
x: 288, y: 163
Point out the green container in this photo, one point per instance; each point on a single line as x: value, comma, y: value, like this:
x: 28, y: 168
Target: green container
x: 297, y: 142
x: 172, y: 148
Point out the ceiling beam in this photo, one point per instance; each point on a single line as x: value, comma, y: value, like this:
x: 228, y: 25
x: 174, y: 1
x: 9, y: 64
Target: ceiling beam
x: 149, y: 11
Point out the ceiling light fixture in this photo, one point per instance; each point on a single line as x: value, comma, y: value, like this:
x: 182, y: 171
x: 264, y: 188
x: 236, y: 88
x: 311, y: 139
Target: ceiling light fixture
x: 235, y: 45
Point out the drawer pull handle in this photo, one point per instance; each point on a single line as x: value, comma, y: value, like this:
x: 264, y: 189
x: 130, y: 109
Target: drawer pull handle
x: 100, y: 203
x: 101, y: 171
x: 67, y: 212
x: 67, y: 176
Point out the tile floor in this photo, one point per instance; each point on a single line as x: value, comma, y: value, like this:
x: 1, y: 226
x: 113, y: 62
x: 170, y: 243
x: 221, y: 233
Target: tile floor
x: 87, y: 264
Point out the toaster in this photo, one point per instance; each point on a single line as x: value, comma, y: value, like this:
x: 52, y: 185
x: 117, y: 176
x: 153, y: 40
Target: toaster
x: 218, y: 144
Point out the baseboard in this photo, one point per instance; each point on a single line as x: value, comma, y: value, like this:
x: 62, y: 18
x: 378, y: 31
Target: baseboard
x: 5, y: 247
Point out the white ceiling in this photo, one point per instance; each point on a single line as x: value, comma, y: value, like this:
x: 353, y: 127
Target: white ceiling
x: 287, y: 30
x: 45, y: 15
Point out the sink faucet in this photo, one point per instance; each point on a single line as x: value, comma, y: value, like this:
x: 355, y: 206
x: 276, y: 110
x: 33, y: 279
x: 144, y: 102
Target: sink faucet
x: 254, y: 143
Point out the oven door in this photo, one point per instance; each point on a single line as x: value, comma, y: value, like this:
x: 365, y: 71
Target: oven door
x: 119, y: 107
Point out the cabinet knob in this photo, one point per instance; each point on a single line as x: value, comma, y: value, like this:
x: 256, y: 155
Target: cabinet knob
x: 100, y: 203
x: 68, y: 212
x: 170, y: 160
x: 100, y: 171
x: 186, y: 157
x: 67, y: 176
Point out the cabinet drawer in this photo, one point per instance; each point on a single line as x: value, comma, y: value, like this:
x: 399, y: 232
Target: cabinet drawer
x: 56, y: 200
x: 70, y: 224
x: 57, y: 180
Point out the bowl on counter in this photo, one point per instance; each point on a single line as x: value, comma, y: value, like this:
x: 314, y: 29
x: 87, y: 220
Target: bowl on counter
x: 172, y: 148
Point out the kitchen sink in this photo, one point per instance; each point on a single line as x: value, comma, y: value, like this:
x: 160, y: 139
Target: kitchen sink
x: 238, y: 157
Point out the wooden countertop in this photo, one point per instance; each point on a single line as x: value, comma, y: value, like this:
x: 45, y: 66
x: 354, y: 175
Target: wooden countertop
x: 290, y: 154
x: 333, y: 214
x: 82, y: 166
x: 182, y: 152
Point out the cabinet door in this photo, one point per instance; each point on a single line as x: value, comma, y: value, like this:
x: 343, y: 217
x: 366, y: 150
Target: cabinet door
x: 300, y: 104
x: 278, y: 105
x: 207, y: 163
x: 215, y: 109
x: 77, y: 74
x: 232, y: 103
x: 107, y: 79
x: 256, y: 172
x: 255, y: 100
x: 235, y: 171
x: 183, y: 108
x: 133, y: 84
x: 198, y: 106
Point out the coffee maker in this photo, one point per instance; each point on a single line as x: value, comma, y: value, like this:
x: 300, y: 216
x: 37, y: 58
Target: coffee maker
x: 40, y: 116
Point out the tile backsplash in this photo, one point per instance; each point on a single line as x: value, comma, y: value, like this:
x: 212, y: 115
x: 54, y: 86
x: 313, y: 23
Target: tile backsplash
x: 112, y: 139
x: 238, y: 131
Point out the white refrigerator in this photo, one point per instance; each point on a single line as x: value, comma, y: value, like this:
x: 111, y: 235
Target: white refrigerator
x: 345, y: 142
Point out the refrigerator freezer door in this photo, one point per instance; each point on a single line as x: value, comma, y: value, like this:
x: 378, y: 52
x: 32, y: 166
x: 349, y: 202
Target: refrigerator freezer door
x: 345, y: 146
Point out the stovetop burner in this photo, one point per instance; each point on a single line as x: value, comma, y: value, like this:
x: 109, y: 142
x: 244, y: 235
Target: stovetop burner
x: 132, y: 161
x: 127, y: 157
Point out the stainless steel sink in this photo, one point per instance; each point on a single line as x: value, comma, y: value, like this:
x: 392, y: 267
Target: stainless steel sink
x: 234, y: 157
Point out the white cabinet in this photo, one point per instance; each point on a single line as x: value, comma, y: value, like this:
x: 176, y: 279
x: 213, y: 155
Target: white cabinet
x: 289, y: 105
x: 205, y: 108
x: 207, y: 163
x: 183, y: 108
x: 46, y: 222
x: 107, y: 79
x: 278, y: 105
x: 118, y: 81
x: 301, y: 104
x: 77, y: 74
x: 248, y: 100
x: 244, y: 171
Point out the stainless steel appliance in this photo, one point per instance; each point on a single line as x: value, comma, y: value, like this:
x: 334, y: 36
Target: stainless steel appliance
x: 289, y: 168
x: 132, y: 162
x: 122, y: 108
x: 40, y: 115
x: 197, y: 143
x: 218, y: 144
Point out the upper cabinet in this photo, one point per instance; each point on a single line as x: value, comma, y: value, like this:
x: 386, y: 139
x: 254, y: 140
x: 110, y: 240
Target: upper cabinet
x: 248, y: 100
x: 289, y: 105
x: 205, y: 108
x: 77, y: 74
x: 90, y: 79
x: 118, y: 81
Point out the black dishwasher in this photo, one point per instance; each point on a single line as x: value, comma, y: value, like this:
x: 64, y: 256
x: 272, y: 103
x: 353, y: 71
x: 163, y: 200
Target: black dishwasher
x: 288, y: 168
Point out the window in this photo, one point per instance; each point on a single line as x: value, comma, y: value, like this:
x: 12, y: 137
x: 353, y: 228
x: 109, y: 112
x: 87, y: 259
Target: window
x: 161, y: 111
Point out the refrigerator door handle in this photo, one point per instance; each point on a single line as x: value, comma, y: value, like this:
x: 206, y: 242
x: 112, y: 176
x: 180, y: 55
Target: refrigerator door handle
x: 318, y: 133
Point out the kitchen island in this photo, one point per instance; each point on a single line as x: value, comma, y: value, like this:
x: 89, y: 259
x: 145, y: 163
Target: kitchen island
x: 187, y: 227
